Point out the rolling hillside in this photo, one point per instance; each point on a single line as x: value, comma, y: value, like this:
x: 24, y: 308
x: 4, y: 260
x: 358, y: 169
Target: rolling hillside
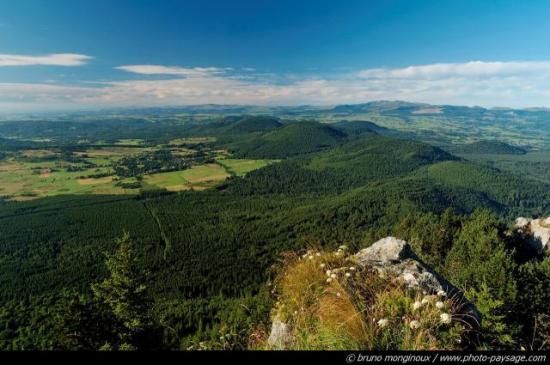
x: 293, y: 139
x: 207, y: 252
x: 489, y: 147
x: 250, y: 124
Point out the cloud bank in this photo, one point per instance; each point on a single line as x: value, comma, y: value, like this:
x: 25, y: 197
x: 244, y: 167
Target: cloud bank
x: 515, y: 84
x: 474, y: 69
x: 56, y: 59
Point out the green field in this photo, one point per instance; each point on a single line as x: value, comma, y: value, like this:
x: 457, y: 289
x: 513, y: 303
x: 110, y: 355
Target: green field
x: 130, y: 142
x: 26, y: 176
x: 23, y: 181
x: 192, y: 140
x: 242, y: 167
x: 32, y: 174
x: 113, y: 152
x: 172, y: 181
x: 196, y: 178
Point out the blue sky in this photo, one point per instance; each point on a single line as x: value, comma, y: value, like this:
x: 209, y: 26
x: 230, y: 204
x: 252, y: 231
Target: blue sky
x: 78, y: 54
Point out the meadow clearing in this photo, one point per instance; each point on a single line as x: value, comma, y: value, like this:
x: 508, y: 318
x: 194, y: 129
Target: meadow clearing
x: 240, y: 167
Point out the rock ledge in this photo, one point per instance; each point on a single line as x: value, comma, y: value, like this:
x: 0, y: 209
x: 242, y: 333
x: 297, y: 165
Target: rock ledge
x: 538, y: 229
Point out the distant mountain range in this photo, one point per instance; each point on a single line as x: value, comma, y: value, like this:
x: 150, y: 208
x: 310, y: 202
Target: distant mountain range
x: 442, y: 125
x: 378, y: 106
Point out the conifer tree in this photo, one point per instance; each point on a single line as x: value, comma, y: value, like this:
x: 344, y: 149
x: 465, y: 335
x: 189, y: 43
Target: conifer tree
x: 123, y: 293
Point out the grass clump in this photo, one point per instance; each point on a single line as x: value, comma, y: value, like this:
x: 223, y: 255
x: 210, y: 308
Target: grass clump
x: 331, y: 303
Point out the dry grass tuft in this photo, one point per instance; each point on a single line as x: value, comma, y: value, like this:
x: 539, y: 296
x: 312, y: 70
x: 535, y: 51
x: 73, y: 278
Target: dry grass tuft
x: 331, y: 304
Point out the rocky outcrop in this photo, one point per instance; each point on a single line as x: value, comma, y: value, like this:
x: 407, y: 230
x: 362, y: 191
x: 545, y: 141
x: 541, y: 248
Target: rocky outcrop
x: 280, y: 336
x: 394, y: 258
x: 387, y: 251
x: 538, y: 229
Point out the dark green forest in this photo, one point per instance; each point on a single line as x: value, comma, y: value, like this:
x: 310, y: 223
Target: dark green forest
x: 192, y: 270
x: 490, y: 147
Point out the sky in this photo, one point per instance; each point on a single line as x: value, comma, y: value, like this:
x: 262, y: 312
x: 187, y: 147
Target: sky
x: 60, y: 55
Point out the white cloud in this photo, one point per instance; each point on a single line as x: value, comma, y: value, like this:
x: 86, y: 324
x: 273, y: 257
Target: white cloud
x: 57, y: 59
x: 468, y: 69
x: 173, y: 71
x: 515, y: 84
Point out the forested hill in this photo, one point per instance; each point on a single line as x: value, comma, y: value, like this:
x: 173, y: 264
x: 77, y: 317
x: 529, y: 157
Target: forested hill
x: 359, y: 127
x: 248, y: 124
x: 207, y: 254
x: 434, y: 177
x: 490, y: 147
x: 231, y: 126
x: 291, y: 140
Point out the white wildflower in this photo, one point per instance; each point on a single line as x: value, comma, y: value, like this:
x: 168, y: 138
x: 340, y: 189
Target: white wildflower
x: 329, y: 272
x: 338, y: 295
x: 414, y: 325
x: 441, y: 293
x: 352, y: 268
x: 383, y: 323
x: 311, y: 257
x: 445, y: 318
x: 323, y: 266
x: 329, y: 280
x: 417, y: 305
x: 428, y: 299
x: 318, y: 254
x: 333, y: 276
x: 440, y: 305
x: 348, y: 275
